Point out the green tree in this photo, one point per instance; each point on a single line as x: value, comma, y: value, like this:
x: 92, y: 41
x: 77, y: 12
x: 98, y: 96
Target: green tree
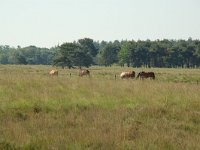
x: 175, y: 57
x: 65, y: 55
x: 21, y: 60
x: 72, y: 54
x: 125, y: 52
x: 109, y: 54
x: 87, y: 45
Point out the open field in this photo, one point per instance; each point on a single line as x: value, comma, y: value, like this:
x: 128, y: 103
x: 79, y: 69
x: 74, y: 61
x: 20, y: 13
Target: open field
x: 69, y: 112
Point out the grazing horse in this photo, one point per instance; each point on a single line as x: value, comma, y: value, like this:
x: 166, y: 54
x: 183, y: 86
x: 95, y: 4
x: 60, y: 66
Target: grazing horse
x: 53, y: 72
x: 143, y: 75
x: 126, y: 75
x: 84, y: 72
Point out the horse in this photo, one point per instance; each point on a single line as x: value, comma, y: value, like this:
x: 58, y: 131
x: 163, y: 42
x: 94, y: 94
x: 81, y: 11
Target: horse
x: 53, y: 72
x: 126, y: 75
x: 84, y: 72
x: 143, y: 75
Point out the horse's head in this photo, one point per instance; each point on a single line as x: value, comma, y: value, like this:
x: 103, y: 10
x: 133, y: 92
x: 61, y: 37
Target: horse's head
x: 132, y: 74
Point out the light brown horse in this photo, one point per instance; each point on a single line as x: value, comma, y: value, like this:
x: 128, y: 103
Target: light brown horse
x: 126, y: 75
x: 143, y: 75
x: 84, y: 72
x: 53, y: 72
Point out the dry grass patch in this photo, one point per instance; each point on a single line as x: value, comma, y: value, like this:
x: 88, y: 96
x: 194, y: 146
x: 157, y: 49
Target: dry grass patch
x: 42, y: 112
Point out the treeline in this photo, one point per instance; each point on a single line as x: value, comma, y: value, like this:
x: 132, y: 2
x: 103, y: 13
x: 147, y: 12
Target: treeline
x: 28, y: 55
x: 86, y: 52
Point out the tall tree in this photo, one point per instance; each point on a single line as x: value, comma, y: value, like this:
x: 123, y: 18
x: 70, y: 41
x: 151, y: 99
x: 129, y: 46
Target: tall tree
x: 72, y: 54
x: 109, y: 54
x: 87, y: 45
x: 125, y: 53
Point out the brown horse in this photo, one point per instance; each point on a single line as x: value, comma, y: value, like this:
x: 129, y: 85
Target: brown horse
x: 53, y: 72
x: 84, y: 72
x: 126, y: 75
x: 143, y: 75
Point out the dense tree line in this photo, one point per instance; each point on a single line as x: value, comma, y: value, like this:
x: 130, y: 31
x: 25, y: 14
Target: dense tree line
x: 86, y: 52
x: 27, y: 55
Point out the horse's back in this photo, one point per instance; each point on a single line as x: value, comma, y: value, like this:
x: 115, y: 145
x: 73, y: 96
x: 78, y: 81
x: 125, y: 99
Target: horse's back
x: 152, y: 75
x: 84, y: 72
x: 146, y: 75
x: 53, y: 72
x: 130, y: 74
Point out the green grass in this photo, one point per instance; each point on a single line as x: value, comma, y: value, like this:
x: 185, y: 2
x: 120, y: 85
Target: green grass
x: 42, y: 112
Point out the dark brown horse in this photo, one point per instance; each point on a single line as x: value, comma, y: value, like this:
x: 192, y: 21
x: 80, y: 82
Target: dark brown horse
x: 143, y: 75
x: 84, y: 72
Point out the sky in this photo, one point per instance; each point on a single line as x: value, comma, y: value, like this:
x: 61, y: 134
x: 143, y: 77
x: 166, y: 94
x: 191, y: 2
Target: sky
x: 46, y: 23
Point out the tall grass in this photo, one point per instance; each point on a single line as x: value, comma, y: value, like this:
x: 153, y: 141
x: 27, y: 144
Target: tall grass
x: 69, y: 112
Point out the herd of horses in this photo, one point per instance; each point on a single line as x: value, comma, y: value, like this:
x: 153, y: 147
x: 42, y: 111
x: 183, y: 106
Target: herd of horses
x: 141, y: 75
x: 123, y: 75
x: 82, y: 72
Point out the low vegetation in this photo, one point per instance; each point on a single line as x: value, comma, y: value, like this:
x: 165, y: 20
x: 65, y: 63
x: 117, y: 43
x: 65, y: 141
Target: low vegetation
x: 39, y: 111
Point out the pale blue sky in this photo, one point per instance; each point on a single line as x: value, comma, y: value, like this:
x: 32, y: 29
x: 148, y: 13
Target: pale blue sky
x: 45, y: 23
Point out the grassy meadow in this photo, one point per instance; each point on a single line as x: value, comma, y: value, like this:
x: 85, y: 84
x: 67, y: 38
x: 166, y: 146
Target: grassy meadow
x: 38, y: 111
